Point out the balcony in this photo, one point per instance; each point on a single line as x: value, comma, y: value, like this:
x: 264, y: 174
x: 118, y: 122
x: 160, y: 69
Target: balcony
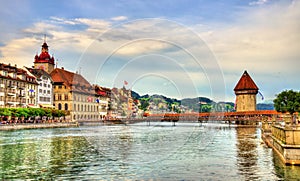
x: 21, y: 95
x: 32, y: 95
x: 11, y: 94
x: 11, y: 103
x: 13, y: 86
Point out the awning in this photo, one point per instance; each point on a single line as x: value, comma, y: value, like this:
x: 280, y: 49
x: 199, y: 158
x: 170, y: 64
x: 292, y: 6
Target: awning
x: 46, y: 106
x: 32, y: 106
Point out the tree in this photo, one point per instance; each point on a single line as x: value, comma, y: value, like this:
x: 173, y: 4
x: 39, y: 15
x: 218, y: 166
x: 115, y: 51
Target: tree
x: 287, y: 101
x: 144, y: 103
x: 5, y: 112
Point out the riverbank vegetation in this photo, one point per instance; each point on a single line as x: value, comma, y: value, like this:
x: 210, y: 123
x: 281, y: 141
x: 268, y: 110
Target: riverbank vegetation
x: 23, y: 115
x: 288, y: 101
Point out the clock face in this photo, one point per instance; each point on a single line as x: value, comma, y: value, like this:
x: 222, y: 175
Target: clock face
x: 41, y: 67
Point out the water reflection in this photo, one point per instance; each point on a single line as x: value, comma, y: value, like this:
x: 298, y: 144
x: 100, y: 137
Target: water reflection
x: 285, y: 172
x: 184, y: 152
x: 247, y: 152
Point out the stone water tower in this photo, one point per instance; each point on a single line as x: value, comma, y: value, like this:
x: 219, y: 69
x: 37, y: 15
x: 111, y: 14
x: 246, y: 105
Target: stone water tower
x: 245, y: 92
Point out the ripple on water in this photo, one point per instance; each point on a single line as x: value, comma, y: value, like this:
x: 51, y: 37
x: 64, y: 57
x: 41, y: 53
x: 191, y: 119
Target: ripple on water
x: 139, y: 152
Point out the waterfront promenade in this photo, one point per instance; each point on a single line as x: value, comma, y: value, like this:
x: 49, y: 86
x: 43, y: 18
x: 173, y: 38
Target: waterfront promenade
x: 16, y: 126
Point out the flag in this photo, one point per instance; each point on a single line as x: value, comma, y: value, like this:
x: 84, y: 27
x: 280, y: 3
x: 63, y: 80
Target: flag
x: 125, y: 82
x: 97, y: 100
x: 89, y: 99
x: 262, y: 97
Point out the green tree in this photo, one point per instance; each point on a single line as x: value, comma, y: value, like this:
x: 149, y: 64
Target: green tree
x: 144, y: 103
x: 22, y: 112
x: 48, y: 113
x: 287, y: 101
x: 5, y: 112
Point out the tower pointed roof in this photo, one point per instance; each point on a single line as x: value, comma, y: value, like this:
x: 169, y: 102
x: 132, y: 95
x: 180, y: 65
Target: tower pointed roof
x: 245, y: 83
x: 44, y: 57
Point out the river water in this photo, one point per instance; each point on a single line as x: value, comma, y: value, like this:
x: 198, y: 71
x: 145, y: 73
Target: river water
x: 187, y: 151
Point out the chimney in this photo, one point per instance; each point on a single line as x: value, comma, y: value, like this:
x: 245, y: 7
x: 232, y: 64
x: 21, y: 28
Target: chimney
x: 62, y: 68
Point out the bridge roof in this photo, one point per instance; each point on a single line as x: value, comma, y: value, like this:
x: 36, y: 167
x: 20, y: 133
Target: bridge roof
x: 245, y: 83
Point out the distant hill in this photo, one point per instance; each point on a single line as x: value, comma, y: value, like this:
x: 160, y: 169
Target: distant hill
x: 264, y: 106
x: 198, y: 104
x: 163, y: 103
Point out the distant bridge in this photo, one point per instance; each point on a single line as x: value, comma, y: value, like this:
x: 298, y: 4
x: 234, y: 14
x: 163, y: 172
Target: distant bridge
x: 241, y: 118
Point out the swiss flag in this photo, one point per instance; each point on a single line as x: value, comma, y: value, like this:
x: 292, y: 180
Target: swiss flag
x: 89, y: 99
x: 125, y: 82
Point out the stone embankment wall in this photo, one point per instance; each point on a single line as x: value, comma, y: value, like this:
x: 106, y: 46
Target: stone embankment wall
x: 37, y: 126
x: 286, y: 142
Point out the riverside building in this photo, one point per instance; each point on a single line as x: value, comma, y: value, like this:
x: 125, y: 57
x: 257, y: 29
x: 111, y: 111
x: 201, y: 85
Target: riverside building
x: 17, y: 87
x: 44, y: 88
x: 73, y: 93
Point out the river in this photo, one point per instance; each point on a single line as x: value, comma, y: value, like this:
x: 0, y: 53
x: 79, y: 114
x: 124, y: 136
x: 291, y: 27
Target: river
x: 187, y: 151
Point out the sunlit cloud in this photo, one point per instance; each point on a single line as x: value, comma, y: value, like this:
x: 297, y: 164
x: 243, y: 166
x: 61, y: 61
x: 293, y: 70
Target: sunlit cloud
x: 119, y: 18
x: 266, y: 48
x: 259, y: 2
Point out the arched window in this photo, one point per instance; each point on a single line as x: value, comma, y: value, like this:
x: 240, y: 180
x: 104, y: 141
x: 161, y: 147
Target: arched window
x: 59, y: 106
x: 81, y: 107
x: 66, y: 106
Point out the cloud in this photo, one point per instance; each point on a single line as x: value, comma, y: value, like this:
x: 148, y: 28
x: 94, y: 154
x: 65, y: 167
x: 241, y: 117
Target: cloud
x: 19, y: 51
x: 263, y: 40
x: 119, y: 18
x: 259, y: 2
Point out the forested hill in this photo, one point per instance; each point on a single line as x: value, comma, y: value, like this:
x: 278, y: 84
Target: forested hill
x: 198, y: 104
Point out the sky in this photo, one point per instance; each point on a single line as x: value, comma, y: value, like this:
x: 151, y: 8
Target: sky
x: 178, y: 48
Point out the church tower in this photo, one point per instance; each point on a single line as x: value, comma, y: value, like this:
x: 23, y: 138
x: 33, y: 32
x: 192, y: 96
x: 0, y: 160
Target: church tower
x: 245, y: 92
x: 44, y: 60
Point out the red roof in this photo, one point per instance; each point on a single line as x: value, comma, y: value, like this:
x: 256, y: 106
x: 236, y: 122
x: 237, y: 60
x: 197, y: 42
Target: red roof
x: 44, y: 57
x: 74, y: 81
x: 245, y: 83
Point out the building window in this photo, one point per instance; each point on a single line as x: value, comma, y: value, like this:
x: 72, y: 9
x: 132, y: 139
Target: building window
x: 59, y: 106
x: 40, y: 90
x: 48, y: 91
x: 59, y: 86
x: 74, y: 107
x: 59, y: 97
x: 66, y: 106
x: 66, y: 97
